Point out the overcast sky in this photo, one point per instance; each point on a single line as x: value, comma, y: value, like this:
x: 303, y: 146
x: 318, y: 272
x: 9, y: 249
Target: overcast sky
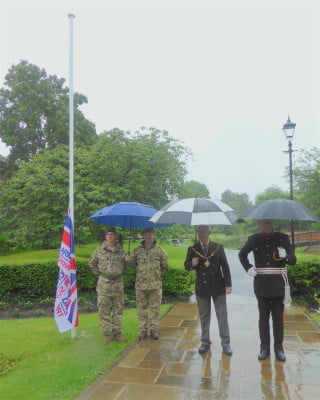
x: 221, y: 76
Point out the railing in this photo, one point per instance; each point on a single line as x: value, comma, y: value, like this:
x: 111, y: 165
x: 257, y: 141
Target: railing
x: 305, y: 238
x: 300, y: 238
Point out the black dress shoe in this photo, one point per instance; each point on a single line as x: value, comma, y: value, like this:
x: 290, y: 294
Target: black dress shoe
x: 280, y: 356
x: 264, y: 354
x: 227, y: 349
x: 204, y: 348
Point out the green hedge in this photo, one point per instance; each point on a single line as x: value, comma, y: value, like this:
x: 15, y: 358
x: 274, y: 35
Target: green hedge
x: 305, y: 281
x: 36, y: 281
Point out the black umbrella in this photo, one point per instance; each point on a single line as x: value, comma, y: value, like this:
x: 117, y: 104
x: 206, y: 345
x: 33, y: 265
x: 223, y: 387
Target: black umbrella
x: 280, y: 209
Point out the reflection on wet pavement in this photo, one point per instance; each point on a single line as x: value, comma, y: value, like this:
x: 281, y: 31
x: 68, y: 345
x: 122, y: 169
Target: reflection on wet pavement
x: 172, y: 369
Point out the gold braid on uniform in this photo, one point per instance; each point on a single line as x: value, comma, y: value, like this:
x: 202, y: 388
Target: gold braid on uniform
x: 277, y: 259
x: 207, y: 263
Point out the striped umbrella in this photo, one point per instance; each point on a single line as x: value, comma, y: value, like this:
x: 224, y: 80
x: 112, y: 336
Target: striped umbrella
x: 196, y: 211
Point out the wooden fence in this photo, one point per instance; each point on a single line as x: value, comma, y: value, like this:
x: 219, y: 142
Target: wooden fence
x: 305, y: 238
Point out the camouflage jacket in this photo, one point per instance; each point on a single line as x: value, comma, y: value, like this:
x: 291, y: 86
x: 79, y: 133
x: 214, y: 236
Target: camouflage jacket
x: 108, y: 266
x: 149, y: 265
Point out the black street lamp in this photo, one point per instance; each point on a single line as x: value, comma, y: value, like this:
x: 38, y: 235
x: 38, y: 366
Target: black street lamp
x: 288, y: 130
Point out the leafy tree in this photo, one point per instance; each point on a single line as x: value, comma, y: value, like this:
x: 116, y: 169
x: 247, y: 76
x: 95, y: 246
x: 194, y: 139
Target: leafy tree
x: 306, y: 178
x: 34, y: 113
x: 272, y: 192
x: 146, y: 167
x: 240, y: 202
x: 33, y: 202
x: 190, y: 189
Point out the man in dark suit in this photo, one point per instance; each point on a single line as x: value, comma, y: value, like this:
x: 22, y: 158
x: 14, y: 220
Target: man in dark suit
x: 271, y: 251
x: 213, y: 280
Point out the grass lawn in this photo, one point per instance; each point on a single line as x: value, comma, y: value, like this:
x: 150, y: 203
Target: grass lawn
x: 301, y: 256
x: 316, y: 318
x: 176, y: 254
x: 48, y: 365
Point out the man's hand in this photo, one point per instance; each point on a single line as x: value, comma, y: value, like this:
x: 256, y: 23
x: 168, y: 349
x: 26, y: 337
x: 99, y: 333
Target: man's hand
x: 252, y: 271
x: 195, y: 261
x: 127, y: 258
x: 228, y: 290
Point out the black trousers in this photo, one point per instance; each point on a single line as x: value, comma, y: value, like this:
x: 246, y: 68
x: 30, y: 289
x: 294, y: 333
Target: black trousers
x: 275, y: 307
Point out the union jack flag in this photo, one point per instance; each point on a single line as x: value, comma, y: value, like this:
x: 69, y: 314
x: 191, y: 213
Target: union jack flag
x: 66, y: 303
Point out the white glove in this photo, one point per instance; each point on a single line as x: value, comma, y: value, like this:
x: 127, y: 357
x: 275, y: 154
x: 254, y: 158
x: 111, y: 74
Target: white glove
x: 282, y: 252
x: 252, y: 271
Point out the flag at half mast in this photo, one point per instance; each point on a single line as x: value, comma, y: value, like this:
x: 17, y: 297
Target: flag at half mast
x: 66, y: 303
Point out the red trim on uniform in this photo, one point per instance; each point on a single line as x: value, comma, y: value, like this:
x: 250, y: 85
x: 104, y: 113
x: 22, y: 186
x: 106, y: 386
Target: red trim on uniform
x: 266, y: 234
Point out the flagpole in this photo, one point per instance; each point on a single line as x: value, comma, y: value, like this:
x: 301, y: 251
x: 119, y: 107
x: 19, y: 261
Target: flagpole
x: 71, y: 129
x: 71, y: 200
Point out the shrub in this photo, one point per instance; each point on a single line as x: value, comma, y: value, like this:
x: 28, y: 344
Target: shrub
x: 177, y: 281
x: 29, y: 282
x: 5, y: 244
x: 305, y: 278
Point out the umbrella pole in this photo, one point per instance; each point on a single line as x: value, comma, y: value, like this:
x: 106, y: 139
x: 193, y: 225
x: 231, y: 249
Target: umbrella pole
x: 129, y: 239
x: 292, y: 235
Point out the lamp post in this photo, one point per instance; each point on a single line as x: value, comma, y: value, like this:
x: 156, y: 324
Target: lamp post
x: 288, y: 130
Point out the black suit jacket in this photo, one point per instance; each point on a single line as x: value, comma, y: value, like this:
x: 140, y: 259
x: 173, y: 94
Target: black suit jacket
x: 211, y: 280
x: 265, y: 252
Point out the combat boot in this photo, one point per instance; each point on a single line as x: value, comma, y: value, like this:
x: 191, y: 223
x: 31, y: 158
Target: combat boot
x: 119, y: 338
x: 108, y: 339
x: 143, y: 335
x: 154, y: 335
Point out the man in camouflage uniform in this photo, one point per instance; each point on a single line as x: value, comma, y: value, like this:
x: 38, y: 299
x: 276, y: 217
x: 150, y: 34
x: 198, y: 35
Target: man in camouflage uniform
x: 107, y: 263
x: 150, y: 261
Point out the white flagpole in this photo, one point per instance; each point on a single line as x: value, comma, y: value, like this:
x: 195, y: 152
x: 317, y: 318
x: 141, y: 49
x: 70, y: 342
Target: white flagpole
x: 71, y: 190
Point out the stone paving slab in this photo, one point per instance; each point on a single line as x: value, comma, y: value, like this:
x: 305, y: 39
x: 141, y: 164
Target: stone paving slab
x: 172, y: 369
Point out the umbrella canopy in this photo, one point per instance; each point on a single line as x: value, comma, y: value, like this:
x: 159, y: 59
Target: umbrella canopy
x: 126, y: 215
x: 280, y: 209
x: 196, y: 211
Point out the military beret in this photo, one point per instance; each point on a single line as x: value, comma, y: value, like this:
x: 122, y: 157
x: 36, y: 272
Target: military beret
x: 148, y: 230
x: 111, y: 229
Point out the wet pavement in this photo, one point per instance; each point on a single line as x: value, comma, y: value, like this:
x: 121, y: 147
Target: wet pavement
x: 172, y: 369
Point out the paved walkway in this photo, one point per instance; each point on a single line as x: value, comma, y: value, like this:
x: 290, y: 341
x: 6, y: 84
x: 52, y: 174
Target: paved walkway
x: 172, y: 369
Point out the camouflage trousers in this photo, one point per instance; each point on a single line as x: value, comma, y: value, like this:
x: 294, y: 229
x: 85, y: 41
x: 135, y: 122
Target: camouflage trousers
x: 110, y: 313
x: 148, y: 301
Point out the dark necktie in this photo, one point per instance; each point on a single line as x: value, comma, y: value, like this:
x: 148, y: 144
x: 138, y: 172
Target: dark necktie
x: 205, y: 249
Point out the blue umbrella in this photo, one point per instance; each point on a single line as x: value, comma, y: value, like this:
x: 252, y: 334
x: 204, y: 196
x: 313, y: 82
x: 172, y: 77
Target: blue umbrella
x: 127, y: 215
